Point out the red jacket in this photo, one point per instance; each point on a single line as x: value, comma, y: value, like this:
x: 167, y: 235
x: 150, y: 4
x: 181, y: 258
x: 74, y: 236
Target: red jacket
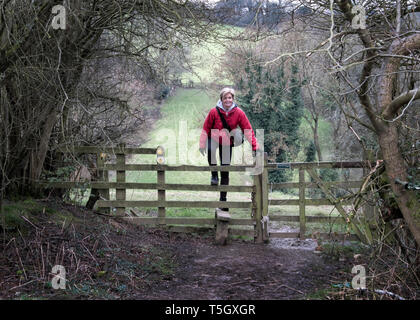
x: 233, y: 118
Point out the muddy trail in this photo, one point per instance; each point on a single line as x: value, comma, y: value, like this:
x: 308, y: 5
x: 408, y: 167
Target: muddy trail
x: 107, y: 258
x: 243, y: 271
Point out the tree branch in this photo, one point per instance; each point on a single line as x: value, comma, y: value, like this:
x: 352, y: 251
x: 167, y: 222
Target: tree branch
x: 392, y: 109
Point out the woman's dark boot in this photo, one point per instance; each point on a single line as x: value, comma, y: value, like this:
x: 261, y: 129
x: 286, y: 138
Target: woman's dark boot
x: 214, y: 179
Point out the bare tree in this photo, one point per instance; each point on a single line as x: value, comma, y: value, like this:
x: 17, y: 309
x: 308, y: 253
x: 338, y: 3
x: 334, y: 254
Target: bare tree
x: 375, y: 64
x: 42, y: 71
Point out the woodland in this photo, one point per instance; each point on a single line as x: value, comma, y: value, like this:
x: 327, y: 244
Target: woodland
x: 96, y: 73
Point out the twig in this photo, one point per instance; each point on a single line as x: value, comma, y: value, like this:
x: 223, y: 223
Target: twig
x: 389, y: 293
x: 20, y: 260
x: 27, y: 220
x: 283, y: 285
x: 23, y: 284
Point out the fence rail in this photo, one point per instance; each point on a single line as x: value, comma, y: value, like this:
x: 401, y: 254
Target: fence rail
x: 259, y: 192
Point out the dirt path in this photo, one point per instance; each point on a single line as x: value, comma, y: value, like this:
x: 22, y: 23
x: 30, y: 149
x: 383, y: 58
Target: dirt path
x: 106, y: 258
x: 244, y: 271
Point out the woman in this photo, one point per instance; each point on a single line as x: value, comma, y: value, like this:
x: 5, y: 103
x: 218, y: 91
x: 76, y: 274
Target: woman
x: 214, y: 135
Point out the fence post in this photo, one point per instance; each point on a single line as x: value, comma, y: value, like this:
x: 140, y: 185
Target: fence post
x: 258, y: 235
x: 161, y: 193
x: 264, y: 193
x: 302, y: 219
x: 102, y: 177
x: 120, y: 194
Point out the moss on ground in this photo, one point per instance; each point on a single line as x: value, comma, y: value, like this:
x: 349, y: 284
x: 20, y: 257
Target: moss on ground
x: 20, y: 214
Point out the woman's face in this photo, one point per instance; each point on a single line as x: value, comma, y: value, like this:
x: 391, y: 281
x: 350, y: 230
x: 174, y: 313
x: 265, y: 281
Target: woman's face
x: 227, y: 100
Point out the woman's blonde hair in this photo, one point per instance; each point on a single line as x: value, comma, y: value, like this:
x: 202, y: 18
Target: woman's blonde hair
x: 225, y: 91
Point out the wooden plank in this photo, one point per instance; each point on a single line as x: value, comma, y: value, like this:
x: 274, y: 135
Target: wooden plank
x: 285, y: 202
x: 322, y: 164
x: 308, y: 202
x: 237, y: 168
x: 284, y: 218
x: 186, y: 187
x: 283, y: 185
x: 312, y: 185
x: 309, y: 219
x: 302, y: 228
x: 111, y: 150
x: 120, y: 192
x: 187, y: 221
x: 175, y: 204
x: 223, y: 215
x: 284, y: 234
x: 156, y: 167
x: 151, y: 186
x: 325, y: 236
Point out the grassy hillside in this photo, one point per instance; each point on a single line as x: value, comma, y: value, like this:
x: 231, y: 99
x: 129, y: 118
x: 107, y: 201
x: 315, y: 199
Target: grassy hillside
x: 206, y: 57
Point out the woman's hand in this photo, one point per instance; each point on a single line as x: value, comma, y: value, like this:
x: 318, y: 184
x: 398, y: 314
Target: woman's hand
x: 203, y: 151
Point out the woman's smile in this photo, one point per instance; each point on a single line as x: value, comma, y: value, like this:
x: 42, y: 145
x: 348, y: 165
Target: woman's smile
x: 227, y: 101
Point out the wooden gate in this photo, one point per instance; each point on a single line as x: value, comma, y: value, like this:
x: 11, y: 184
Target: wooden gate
x: 258, y: 207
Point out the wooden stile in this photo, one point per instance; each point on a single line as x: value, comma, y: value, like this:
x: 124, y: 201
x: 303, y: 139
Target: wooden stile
x: 260, y: 193
x: 222, y: 226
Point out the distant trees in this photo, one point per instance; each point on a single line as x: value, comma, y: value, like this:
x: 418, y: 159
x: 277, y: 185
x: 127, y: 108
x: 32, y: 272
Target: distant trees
x: 273, y: 101
x: 244, y: 13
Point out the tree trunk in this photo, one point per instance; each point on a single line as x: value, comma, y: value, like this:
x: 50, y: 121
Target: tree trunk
x: 39, y: 156
x: 316, y: 139
x: 395, y: 168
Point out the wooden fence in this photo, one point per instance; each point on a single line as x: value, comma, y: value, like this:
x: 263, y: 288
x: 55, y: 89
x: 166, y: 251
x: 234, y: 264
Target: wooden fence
x: 258, y: 206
